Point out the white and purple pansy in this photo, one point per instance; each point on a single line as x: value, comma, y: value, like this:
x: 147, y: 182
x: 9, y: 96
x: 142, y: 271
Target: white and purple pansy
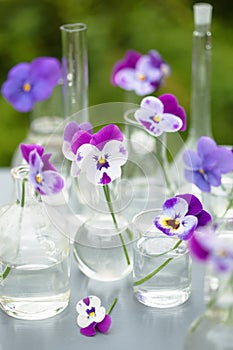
x: 207, y: 246
x: 92, y: 316
x: 154, y: 119
x: 174, y: 220
x: 42, y: 174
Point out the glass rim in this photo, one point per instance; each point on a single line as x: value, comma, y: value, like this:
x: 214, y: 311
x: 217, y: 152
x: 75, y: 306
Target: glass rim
x: 138, y: 216
x: 20, y: 172
x: 73, y: 27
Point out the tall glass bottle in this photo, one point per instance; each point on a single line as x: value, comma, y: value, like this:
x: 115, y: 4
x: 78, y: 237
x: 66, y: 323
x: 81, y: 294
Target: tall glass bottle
x: 75, y: 71
x: 200, y: 124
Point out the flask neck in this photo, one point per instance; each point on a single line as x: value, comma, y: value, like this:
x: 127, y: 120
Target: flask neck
x: 24, y: 190
x: 200, y: 86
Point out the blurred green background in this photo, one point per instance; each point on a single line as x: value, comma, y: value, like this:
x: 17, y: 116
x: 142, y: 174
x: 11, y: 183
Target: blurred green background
x: 31, y: 28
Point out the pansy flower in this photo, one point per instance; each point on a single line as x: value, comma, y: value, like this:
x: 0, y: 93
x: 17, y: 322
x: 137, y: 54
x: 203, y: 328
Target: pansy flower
x: 28, y: 83
x: 42, y: 174
x: 174, y: 220
x: 157, y: 117
x: 206, y: 246
x: 92, y: 316
x: 74, y: 136
x: 205, y: 167
x: 142, y: 74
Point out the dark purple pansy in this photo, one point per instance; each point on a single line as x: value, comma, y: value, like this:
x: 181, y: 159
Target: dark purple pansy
x: 129, y: 61
x: 28, y: 83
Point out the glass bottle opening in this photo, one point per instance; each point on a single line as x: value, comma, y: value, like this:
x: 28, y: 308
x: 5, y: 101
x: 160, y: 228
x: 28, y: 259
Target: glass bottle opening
x: 75, y: 27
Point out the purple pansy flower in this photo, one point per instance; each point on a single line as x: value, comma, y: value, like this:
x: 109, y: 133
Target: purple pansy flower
x: 171, y: 105
x: 142, y: 74
x: 206, y: 246
x: 174, y: 219
x: 206, y: 166
x: 100, y: 155
x: 42, y: 174
x: 92, y: 316
x: 74, y: 136
x: 154, y: 119
x: 28, y: 83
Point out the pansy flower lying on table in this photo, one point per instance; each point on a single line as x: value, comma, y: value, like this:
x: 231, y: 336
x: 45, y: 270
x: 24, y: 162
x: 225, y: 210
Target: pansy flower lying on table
x: 99, y: 156
x: 28, y: 83
x: 181, y: 216
x: 142, y: 74
x: 92, y: 316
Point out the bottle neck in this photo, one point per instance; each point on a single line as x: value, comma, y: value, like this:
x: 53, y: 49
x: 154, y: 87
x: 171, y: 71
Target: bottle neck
x: 200, y: 88
x: 24, y: 189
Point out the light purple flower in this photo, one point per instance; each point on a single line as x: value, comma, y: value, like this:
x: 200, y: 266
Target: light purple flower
x: 206, y: 166
x: 92, y: 316
x: 42, y: 174
x: 142, y: 74
x: 205, y: 245
x: 174, y: 220
x: 171, y: 105
x: 153, y: 118
x: 28, y: 83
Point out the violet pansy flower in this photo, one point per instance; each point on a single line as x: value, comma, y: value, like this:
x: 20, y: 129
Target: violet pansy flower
x: 142, y: 74
x: 74, y: 136
x: 42, y: 174
x: 28, y: 83
x: 205, y: 167
x: 154, y: 119
x: 206, y: 246
x: 92, y: 316
x: 174, y: 220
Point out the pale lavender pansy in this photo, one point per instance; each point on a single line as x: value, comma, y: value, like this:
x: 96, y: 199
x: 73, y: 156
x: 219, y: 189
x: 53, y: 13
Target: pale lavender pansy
x: 142, y: 74
x: 28, y: 83
x: 92, y: 316
x: 205, y: 167
x: 174, y: 220
x: 152, y: 117
x: 207, y: 246
x: 42, y: 174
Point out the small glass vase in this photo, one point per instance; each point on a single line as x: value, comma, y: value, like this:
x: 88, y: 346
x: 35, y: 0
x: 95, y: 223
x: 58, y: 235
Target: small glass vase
x: 103, y: 243
x: 147, y: 166
x: 34, y: 257
x: 162, y: 265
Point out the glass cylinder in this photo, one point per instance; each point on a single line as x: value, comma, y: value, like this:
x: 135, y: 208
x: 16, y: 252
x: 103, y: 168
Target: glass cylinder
x: 200, y: 114
x: 162, y: 267
x: 75, y: 70
x: 103, y: 243
x: 213, y: 329
x: 34, y: 257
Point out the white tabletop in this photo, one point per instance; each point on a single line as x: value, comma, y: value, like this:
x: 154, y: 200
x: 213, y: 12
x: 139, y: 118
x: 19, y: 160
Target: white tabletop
x: 134, y: 326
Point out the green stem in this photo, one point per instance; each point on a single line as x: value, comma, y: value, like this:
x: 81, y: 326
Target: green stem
x: 108, y: 198
x: 5, y: 273
x: 111, y: 306
x: 23, y: 193
x: 154, y: 272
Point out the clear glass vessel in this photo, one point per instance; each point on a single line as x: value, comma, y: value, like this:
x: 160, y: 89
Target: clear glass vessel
x: 154, y: 251
x: 34, y: 257
x: 75, y: 70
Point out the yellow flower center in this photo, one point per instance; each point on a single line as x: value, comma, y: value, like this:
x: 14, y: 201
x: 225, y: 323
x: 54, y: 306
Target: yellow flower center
x: 38, y: 178
x: 92, y: 314
x: 102, y: 160
x: 173, y: 223
x: 141, y: 76
x: 201, y: 171
x: 27, y: 87
x: 156, y: 119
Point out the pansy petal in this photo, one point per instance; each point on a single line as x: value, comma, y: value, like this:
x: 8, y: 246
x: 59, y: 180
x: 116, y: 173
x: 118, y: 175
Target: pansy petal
x: 171, y: 106
x: 100, y: 314
x: 225, y: 160
x: 198, y: 179
x: 25, y: 150
x: 104, y: 325
x: 94, y: 301
x: 203, y: 218
x: 107, y: 133
x: 89, y: 331
x: 129, y: 61
x: 162, y: 223
x: 19, y: 72
x: 194, y: 204
x: 144, y: 117
x: 142, y: 88
x: 75, y: 169
x: 125, y: 78
x: 175, y: 207
x: 192, y: 160
x: 66, y: 150
x: 84, y: 321
x: 214, y: 178
x: 197, y: 250
x: 46, y: 68
x: 41, y: 91
x: 170, y: 123
x: 189, y: 224
x: 80, y: 138
x: 52, y: 183
x: 47, y: 165
x: 22, y: 102
x: 206, y: 148
x: 70, y: 129
x: 153, y: 104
